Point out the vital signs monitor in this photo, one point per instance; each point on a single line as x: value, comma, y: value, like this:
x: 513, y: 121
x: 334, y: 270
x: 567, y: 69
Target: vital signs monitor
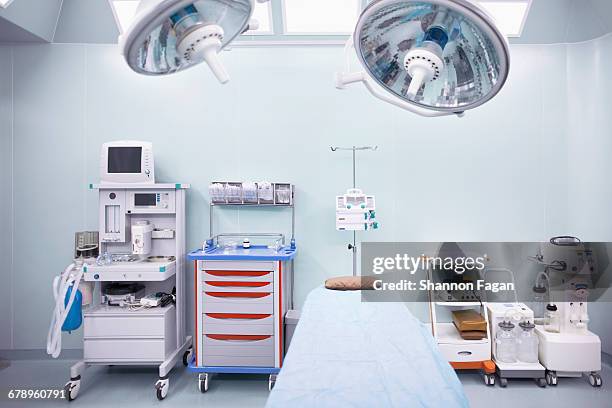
x: 127, y: 162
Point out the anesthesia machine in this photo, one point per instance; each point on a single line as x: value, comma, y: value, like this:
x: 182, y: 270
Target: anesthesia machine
x: 137, y: 316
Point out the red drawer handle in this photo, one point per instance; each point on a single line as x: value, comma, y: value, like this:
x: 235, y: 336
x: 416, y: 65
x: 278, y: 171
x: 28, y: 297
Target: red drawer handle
x: 237, y: 316
x: 238, y: 273
x: 239, y: 337
x: 237, y: 284
x: 238, y: 294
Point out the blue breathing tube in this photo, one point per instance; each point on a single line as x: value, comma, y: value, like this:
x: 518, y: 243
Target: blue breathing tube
x: 74, y: 318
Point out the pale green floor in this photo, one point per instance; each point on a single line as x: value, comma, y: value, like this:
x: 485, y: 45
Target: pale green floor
x: 133, y: 387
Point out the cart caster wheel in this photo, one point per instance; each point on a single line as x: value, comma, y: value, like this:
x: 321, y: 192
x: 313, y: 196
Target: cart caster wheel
x: 161, y: 388
x: 541, y: 382
x: 203, y: 382
x: 489, y: 379
x: 595, y: 380
x: 271, y: 382
x: 71, y: 389
x: 187, y: 356
x: 551, y: 378
x: 503, y: 382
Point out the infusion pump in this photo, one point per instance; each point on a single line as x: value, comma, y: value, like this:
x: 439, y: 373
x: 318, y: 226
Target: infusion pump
x: 355, y: 211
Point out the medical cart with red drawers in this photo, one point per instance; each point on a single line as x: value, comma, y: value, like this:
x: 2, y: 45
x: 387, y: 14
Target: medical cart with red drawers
x: 242, y: 295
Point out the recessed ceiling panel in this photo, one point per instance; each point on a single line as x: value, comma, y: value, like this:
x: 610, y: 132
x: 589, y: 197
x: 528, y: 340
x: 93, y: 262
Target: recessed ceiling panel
x: 320, y: 16
x: 124, y: 12
x: 509, y: 15
x: 263, y: 14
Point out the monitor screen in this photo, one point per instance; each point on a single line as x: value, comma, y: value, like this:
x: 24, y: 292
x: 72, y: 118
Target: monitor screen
x: 145, y: 199
x: 124, y: 159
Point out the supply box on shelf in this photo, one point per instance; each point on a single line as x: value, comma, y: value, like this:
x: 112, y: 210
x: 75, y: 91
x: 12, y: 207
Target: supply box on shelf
x: 254, y: 193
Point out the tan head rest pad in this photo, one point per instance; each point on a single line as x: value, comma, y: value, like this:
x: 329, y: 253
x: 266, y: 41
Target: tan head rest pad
x: 350, y: 283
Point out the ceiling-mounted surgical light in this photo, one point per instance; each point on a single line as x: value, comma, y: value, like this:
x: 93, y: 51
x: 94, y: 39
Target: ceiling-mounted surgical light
x: 431, y: 57
x: 168, y: 36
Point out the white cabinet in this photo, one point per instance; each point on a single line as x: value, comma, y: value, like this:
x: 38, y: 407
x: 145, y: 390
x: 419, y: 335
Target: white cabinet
x: 114, y: 334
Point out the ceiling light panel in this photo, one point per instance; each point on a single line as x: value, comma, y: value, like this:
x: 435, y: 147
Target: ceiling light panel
x: 263, y: 14
x: 320, y: 17
x: 509, y: 15
x: 124, y: 12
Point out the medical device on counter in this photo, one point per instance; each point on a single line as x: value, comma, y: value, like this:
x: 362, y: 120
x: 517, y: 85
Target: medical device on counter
x: 130, y: 295
x: 567, y: 347
x: 168, y: 36
x: 139, y: 317
x: 127, y: 161
x: 86, y: 244
x: 515, y: 345
x: 122, y: 294
x: 469, y: 276
x: 159, y: 299
x: 432, y: 57
x: 142, y: 235
x: 244, y: 289
x: 355, y: 211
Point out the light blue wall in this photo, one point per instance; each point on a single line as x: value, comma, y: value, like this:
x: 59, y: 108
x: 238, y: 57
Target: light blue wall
x: 49, y: 150
x: 499, y: 174
x: 589, y: 150
x: 590, y: 144
x: 6, y: 216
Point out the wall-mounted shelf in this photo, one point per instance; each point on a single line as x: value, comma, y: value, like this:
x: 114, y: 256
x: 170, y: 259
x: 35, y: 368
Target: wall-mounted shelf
x: 250, y: 194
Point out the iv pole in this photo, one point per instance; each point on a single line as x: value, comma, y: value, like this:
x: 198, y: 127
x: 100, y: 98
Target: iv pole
x: 353, y: 247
